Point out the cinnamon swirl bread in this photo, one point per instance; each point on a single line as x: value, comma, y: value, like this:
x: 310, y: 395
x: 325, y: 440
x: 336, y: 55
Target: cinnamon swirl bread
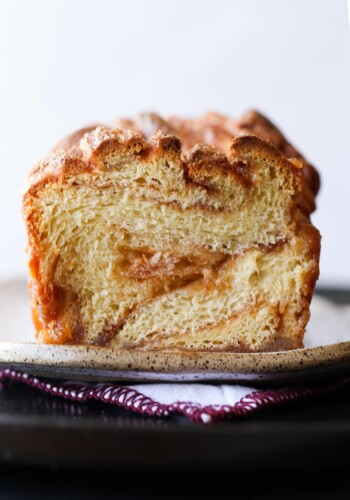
x: 177, y: 234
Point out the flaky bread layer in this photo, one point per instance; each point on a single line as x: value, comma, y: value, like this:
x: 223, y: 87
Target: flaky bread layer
x: 256, y: 301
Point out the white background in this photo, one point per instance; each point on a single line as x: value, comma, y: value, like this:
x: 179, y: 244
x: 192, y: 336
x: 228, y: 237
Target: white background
x: 68, y: 63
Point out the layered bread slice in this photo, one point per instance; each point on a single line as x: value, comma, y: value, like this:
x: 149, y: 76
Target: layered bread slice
x: 177, y: 234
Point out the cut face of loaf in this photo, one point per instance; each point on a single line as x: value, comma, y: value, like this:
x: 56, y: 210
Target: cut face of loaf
x: 136, y: 242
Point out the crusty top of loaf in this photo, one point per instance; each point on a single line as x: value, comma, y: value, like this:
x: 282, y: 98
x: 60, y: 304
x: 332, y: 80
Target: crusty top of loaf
x: 213, y: 142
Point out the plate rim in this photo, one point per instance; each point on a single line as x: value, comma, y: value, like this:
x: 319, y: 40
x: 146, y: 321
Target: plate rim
x: 166, y: 362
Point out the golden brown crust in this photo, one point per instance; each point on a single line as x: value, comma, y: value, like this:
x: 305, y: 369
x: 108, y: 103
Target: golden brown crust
x: 258, y: 124
x: 213, y: 141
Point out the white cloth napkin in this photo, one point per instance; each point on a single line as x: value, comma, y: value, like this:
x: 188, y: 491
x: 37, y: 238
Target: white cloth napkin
x: 201, y: 403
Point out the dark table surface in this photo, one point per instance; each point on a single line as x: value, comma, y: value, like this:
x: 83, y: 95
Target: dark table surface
x: 52, y: 448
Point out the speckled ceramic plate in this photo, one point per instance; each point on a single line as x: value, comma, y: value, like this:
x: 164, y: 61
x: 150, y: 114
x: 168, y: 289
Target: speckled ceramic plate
x: 326, y: 352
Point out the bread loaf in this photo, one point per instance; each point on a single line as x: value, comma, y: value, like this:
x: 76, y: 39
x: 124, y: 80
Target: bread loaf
x: 177, y: 234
